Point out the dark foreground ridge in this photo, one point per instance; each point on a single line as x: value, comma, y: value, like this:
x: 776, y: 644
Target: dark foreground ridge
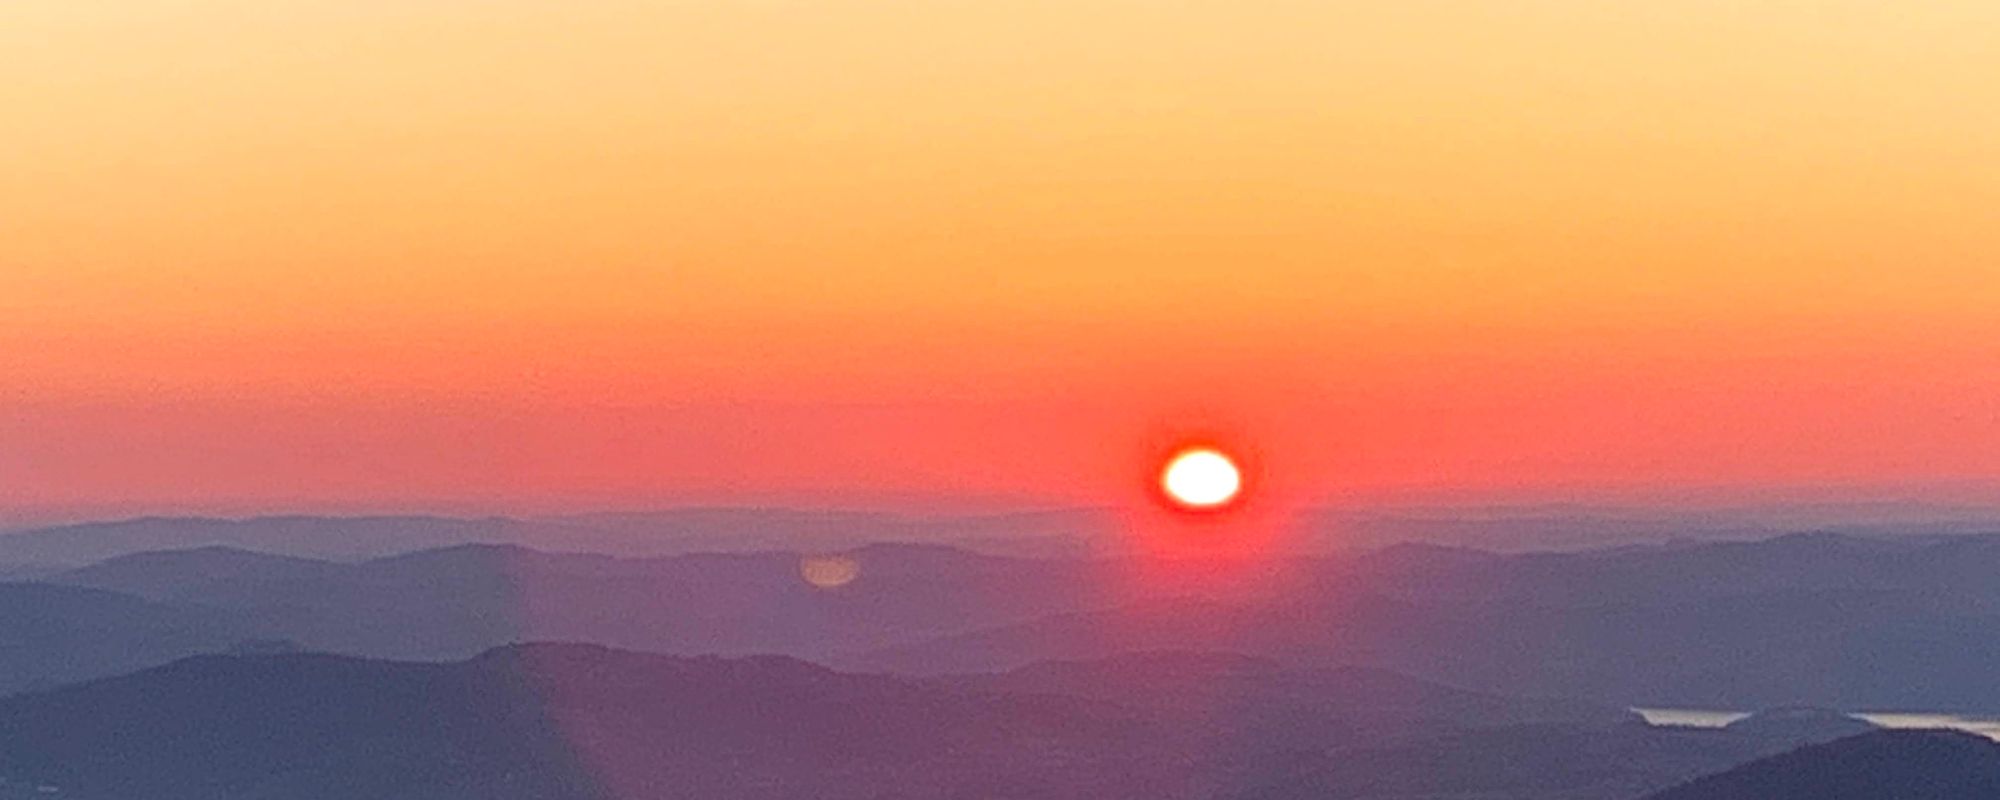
x: 1885, y: 765
x: 538, y: 721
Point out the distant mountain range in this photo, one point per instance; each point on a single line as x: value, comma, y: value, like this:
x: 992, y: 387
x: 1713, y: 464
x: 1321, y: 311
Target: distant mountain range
x: 1823, y: 620
x: 1572, y: 526
x: 453, y: 602
x: 1067, y: 533
x: 578, y: 722
x: 1413, y: 672
x: 636, y: 534
x: 1816, y: 619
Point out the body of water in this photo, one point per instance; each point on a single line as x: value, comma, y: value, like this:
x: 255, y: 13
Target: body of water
x: 1988, y: 727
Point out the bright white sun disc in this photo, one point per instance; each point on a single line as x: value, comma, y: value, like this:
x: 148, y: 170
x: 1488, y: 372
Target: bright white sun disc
x: 1201, y: 479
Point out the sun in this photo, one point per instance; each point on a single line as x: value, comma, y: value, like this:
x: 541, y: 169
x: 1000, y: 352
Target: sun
x: 1201, y: 478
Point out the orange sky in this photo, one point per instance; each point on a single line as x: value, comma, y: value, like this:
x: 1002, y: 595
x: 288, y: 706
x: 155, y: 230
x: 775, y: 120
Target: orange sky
x: 370, y: 254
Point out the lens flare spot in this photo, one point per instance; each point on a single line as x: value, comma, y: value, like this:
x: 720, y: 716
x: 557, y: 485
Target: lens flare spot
x: 1201, y: 478
x: 829, y: 572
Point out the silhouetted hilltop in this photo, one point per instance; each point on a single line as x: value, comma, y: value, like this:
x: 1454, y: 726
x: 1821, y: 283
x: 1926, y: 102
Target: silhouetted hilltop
x: 1884, y: 765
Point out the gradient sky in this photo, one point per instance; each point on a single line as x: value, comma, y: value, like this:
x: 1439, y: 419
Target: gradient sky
x: 415, y: 253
